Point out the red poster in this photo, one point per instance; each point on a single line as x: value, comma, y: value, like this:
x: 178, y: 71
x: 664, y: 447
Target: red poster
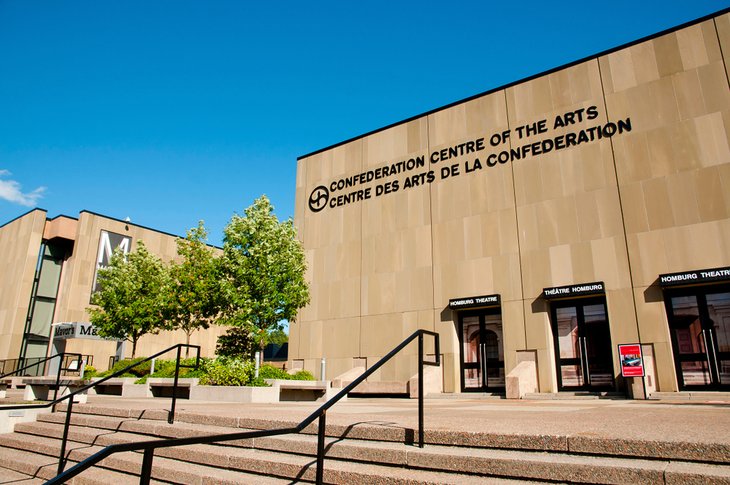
x: 632, y: 362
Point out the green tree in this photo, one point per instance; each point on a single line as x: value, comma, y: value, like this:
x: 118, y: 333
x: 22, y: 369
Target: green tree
x: 194, y: 292
x: 131, y: 298
x: 264, y: 269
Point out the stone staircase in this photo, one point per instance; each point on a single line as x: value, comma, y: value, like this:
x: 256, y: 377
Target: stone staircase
x: 368, y: 453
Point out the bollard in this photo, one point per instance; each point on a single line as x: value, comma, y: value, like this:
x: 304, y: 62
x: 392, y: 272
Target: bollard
x: 323, y: 370
x: 258, y: 364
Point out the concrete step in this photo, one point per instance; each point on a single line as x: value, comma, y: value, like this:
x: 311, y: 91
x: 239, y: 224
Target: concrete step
x: 41, y: 467
x: 8, y: 476
x: 190, y: 424
x: 273, y: 456
x: 45, y: 451
x: 250, y: 466
x: 577, y: 395
x: 696, y: 396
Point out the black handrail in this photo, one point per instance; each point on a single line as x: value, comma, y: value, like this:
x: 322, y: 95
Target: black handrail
x: 70, y: 396
x: 149, y: 447
x: 62, y: 355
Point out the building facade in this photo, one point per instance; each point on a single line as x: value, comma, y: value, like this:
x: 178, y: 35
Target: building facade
x: 548, y: 221
x: 48, y: 275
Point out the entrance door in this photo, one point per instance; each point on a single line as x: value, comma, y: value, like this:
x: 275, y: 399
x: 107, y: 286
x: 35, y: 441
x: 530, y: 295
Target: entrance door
x: 482, y: 354
x: 583, y: 344
x: 699, y: 323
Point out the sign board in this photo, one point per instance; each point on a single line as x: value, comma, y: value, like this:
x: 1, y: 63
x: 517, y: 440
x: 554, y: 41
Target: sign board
x: 695, y: 277
x: 584, y: 289
x: 632, y: 361
x: 68, y: 330
x: 474, y: 302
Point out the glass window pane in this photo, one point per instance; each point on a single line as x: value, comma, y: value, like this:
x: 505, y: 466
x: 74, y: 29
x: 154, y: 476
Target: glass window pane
x: 568, y: 332
x: 50, y: 276
x: 42, y: 318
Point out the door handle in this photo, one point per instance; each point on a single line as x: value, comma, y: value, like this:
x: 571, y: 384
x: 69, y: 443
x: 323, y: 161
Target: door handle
x: 714, y: 354
x: 707, y: 352
x: 587, y: 372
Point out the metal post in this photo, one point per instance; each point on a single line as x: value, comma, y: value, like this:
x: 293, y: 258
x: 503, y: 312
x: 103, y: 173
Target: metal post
x: 420, y: 390
x: 152, y: 366
x: 323, y: 370
x: 58, y: 375
x: 62, y: 456
x: 146, y: 471
x: 171, y: 416
x: 320, y: 448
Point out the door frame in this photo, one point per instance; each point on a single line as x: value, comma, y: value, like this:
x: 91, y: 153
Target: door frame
x: 580, y: 303
x: 480, y: 313
x: 700, y: 292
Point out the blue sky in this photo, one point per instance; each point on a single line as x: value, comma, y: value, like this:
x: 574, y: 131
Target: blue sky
x: 169, y: 112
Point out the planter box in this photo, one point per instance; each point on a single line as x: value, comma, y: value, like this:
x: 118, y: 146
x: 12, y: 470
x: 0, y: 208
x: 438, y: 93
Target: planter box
x: 121, y: 386
x: 162, y: 386
x: 234, y: 394
x: 291, y: 390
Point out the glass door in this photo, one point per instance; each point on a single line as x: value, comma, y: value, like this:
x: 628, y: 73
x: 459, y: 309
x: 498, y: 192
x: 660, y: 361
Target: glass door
x: 582, y: 344
x: 699, y: 323
x: 482, y: 354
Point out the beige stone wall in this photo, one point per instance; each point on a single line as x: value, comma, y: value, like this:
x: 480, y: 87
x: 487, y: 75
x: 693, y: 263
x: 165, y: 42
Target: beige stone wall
x: 20, y: 241
x: 674, y: 168
x: 619, y: 209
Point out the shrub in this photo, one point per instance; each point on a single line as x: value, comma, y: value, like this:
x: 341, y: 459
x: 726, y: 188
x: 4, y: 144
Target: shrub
x: 228, y: 372
x: 268, y: 371
x: 137, y: 371
x: 89, y: 372
x: 166, y: 368
x: 303, y: 375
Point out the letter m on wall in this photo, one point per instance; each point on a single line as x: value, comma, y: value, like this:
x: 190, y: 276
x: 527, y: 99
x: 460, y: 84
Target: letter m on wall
x: 108, y: 243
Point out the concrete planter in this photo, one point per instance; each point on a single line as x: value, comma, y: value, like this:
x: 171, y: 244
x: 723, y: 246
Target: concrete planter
x: 234, y: 394
x: 121, y: 386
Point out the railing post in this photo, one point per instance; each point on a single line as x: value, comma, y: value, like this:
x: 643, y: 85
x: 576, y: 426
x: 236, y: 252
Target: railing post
x: 146, y: 471
x: 62, y: 456
x: 171, y: 416
x: 62, y: 355
x: 420, y: 390
x: 320, y: 447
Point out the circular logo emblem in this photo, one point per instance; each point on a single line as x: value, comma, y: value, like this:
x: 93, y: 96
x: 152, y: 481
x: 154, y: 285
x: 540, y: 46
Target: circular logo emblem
x: 318, y: 198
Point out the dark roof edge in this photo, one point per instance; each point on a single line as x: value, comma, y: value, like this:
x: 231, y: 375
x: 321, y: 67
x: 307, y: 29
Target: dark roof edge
x: 23, y: 215
x: 140, y: 226
x: 526, y: 79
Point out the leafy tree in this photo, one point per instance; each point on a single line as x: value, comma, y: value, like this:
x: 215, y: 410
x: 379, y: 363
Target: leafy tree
x: 236, y: 342
x: 194, y: 292
x: 264, y: 269
x: 130, y: 301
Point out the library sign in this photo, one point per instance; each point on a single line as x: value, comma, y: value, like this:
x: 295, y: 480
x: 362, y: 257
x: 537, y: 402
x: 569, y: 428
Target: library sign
x: 475, y: 155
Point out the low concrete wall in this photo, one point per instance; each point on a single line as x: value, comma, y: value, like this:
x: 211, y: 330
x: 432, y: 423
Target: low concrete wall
x: 432, y: 382
x: 234, y: 394
x: 121, y: 386
x: 8, y: 419
x: 522, y: 380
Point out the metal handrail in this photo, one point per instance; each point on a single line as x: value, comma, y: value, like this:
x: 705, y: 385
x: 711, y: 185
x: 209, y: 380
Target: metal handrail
x: 70, y: 396
x: 43, y: 361
x: 149, y: 447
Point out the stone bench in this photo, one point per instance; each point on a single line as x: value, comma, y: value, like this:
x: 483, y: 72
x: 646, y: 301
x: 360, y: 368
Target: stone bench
x: 40, y: 388
x: 163, y: 386
x: 290, y: 390
x: 13, y: 382
x: 120, y: 386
